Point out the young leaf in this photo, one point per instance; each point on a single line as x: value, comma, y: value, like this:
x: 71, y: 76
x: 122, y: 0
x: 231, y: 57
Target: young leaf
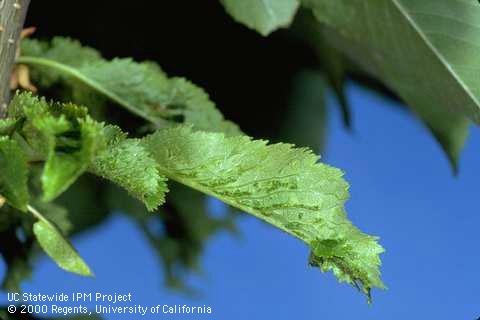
x: 279, y: 184
x: 64, y: 135
x: 127, y: 163
x: 57, y: 246
x: 61, y: 170
x: 264, y: 16
x: 70, y: 142
x: 421, y: 51
x: 13, y: 174
x: 7, y: 126
x: 142, y: 88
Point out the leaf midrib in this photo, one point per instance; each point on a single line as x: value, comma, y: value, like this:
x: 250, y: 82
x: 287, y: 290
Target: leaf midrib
x: 73, y: 72
x: 437, y: 54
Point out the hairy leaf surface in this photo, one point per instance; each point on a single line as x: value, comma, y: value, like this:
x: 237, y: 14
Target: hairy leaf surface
x: 142, y: 88
x: 264, y: 16
x: 7, y: 126
x: 64, y: 135
x: 421, y: 50
x: 127, y: 163
x: 70, y: 143
x: 279, y: 184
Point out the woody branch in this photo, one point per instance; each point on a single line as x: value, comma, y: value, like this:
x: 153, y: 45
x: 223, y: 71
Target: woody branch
x: 12, y: 18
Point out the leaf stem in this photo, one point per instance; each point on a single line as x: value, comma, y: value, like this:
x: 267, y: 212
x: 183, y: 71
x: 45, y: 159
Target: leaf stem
x: 37, y: 214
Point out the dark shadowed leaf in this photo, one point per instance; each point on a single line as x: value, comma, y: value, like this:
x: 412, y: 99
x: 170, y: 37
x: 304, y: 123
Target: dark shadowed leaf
x: 426, y: 51
x: 13, y: 174
x: 141, y: 88
x: 306, y: 121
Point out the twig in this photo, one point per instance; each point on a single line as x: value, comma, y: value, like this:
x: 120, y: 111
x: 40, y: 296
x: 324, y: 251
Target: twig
x: 12, y: 18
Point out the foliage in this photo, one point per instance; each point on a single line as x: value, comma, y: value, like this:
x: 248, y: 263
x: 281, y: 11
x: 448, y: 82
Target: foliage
x: 70, y: 164
x: 419, y: 49
x: 264, y: 16
x: 279, y: 184
x: 13, y: 176
x: 141, y: 88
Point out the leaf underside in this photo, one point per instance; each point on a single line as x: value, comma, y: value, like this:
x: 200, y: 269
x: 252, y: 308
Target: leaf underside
x: 264, y: 16
x: 279, y: 184
x: 421, y: 50
x: 59, y: 248
x: 141, y: 88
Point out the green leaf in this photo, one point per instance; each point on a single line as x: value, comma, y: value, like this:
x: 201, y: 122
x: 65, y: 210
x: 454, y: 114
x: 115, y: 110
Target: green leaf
x: 7, y: 126
x: 13, y: 174
x: 142, y: 88
x: 61, y: 170
x: 64, y: 135
x: 58, y: 247
x: 127, y: 163
x: 450, y: 130
x: 279, y: 184
x: 264, y: 16
x: 63, y: 50
x: 421, y: 49
x: 70, y: 143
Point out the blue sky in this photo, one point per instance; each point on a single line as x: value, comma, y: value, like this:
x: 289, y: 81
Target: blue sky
x: 402, y: 190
